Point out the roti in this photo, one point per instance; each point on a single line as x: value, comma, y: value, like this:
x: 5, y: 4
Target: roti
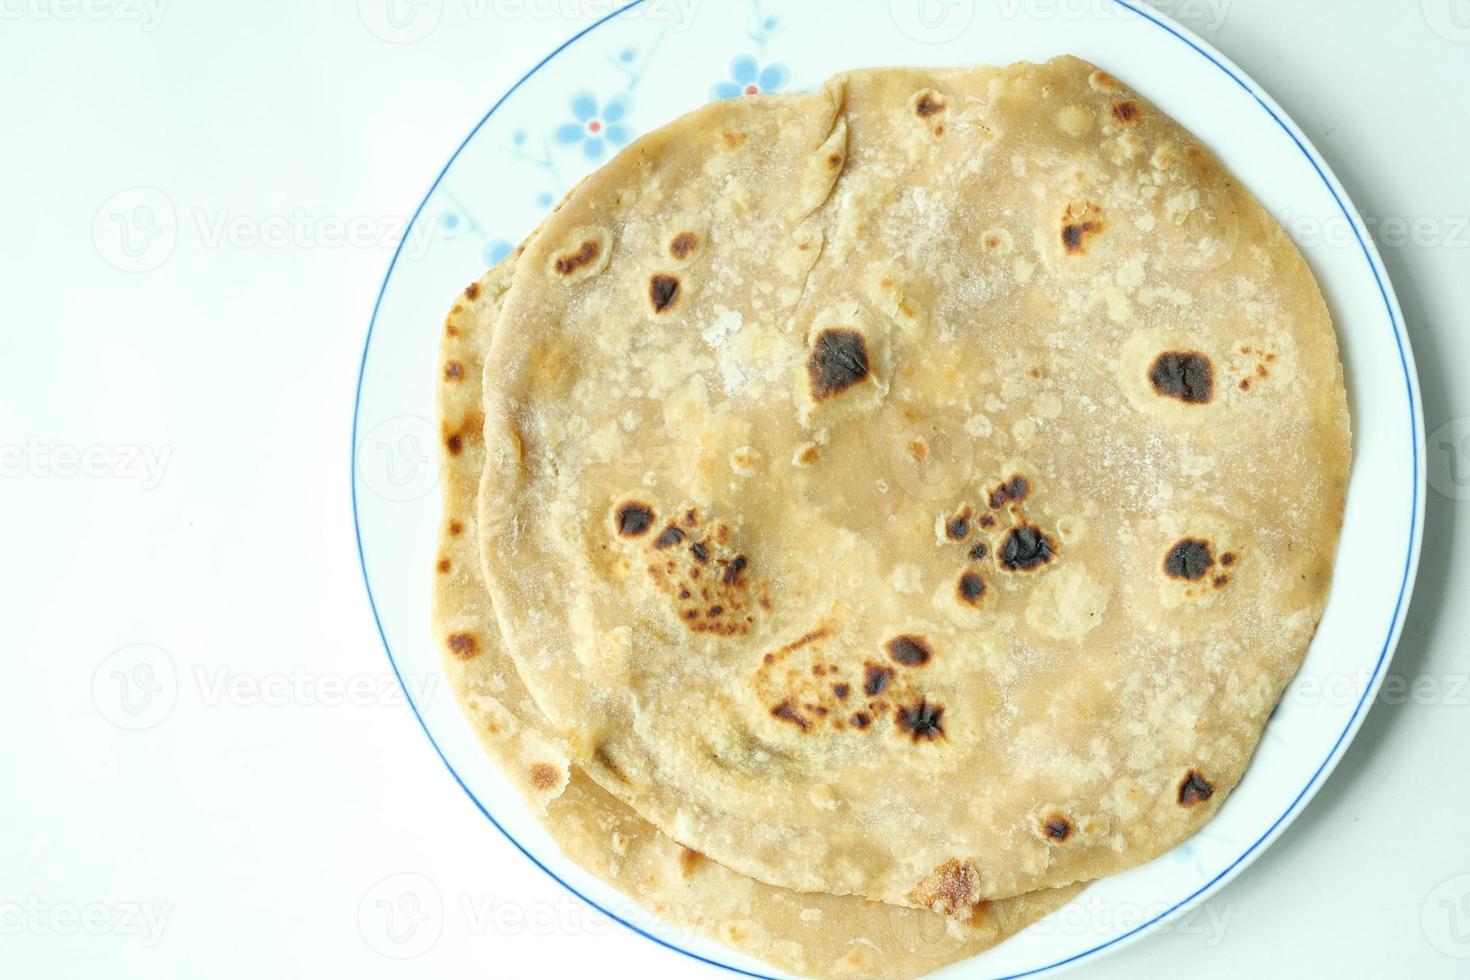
x: 814, y: 935
x: 922, y: 489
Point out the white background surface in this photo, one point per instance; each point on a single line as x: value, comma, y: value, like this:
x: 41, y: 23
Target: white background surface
x: 174, y: 472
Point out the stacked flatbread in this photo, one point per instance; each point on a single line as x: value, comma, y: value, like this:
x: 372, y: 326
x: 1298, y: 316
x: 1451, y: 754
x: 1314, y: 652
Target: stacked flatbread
x: 872, y: 514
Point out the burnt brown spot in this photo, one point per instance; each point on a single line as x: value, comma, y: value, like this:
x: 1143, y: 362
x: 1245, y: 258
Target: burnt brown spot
x: 709, y: 579
x: 445, y: 565
x: 456, y: 528
x: 1056, y: 828
x: 1195, y: 789
x: 683, y: 244
x: 1227, y: 559
x: 923, y: 721
x: 735, y: 570
x: 911, y: 651
x: 861, y: 720
x: 472, y: 291
x: 839, y: 360
x: 1072, y: 237
x: 663, y: 292
x: 633, y: 519
x: 981, y: 551
x: 972, y: 588
x: 1191, y: 560
x: 585, y: 255
x: 689, y: 861
x: 1027, y: 548
x: 1016, y: 489
x: 453, y: 371
x: 1221, y: 581
x: 841, y: 691
x: 1078, y: 223
x: 952, y: 889
x: 834, y: 161
x: 464, y: 645
x: 543, y: 776
x: 928, y: 105
x: 876, y: 679
x: 786, y: 711
x: 987, y: 522
x: 958, y: 528
x: 1127, y: 112
x: 1245, y: 384
x: 469, y: 429
x: 1186, y: 376
x: 668, y: 537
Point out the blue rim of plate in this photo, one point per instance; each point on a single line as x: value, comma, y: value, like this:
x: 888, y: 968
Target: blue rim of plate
x: 1380, y: 277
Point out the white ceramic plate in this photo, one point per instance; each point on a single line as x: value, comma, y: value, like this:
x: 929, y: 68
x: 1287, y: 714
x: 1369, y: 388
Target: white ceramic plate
x: 657, y: 59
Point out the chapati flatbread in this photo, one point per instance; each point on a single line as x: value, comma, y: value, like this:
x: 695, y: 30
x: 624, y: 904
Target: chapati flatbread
x: 922, y: 490
x: 814, y: 935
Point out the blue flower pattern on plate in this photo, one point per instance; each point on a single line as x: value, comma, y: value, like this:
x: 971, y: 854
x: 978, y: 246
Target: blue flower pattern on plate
x: 748, y: 77
x: 596, y: 126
